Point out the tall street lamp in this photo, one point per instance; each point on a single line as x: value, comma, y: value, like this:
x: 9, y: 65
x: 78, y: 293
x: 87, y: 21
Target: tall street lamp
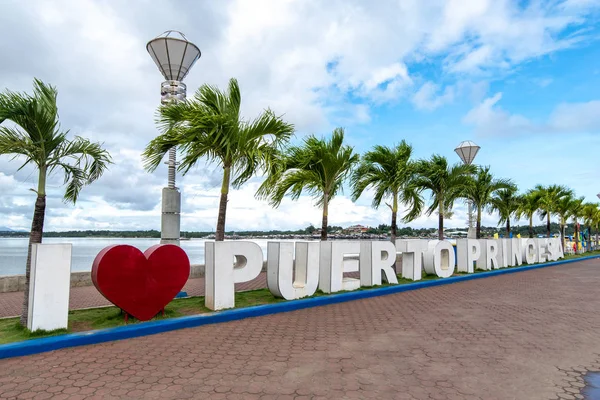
x: 467, y: 151
x: 174, y: 55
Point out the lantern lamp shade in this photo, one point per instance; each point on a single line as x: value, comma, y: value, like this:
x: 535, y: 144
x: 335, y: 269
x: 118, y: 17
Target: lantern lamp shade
x: 173, y: 54
x: 598, y: 195
x: 467, y: 151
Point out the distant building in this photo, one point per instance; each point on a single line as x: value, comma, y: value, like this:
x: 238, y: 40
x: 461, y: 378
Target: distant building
x: 357, y: 229
x: 456, y: 234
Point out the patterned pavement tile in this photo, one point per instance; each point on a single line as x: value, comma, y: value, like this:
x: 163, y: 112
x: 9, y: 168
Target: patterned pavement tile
x: 529, y: 335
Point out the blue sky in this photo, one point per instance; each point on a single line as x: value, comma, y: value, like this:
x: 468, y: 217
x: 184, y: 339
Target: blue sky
x: 520, y: 78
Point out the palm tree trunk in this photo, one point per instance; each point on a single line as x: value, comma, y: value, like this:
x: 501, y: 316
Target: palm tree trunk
x: 35, y: 236
x: 531, y: 226
x: 478, y: 224
x: 325, y: 212
x: 589, y: 241
x: 548, y: 225
x: 576, y: 227
x: 220, y: 233
x: 394, y: 217
x: 562, y: 235
x: 441, y: 222
x: 507, y: 227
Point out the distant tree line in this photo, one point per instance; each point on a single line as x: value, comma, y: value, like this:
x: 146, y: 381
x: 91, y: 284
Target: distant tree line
x: 381, y: 229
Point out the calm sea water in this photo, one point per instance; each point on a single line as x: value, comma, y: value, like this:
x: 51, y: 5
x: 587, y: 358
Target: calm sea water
x: 13, y: 251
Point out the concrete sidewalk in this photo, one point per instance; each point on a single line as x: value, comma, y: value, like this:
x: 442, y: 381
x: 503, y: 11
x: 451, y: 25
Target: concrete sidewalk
x: 529, y: 335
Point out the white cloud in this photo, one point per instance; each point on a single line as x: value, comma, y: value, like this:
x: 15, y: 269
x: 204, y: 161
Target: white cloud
x: 321, y: 64
x: 244, y: 211
x: 576, y: 117
x: 489, y: 118
x: 429, y: 98
x: 543, y: 82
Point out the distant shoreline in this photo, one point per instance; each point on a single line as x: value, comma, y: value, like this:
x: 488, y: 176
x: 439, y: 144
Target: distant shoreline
x: 248, y: 237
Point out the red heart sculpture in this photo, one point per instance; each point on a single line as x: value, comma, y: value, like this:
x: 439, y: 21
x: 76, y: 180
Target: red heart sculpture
x: 139, y: 283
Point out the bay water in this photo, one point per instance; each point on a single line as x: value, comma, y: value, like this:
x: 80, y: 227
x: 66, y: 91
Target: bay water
x: 13, y: 251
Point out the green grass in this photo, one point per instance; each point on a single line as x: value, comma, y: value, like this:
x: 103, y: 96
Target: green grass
x: 588, y: 254
x: 108, y: 317
x: 12, y: 331
x: 255, y: 298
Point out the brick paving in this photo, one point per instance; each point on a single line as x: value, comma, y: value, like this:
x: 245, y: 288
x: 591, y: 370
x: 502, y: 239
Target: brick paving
x: 529, y: 335
x: 88, y: 296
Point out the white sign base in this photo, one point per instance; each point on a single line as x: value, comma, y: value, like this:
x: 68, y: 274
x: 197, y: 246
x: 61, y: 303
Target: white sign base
x: 49, y: 286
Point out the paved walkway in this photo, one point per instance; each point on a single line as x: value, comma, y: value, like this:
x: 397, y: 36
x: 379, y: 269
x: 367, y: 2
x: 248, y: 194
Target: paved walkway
x: 88, y: 296
x: 528, y: 335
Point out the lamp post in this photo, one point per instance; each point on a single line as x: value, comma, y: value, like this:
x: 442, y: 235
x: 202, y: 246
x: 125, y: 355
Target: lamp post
x: 174, y: 55
x: 467, y: 151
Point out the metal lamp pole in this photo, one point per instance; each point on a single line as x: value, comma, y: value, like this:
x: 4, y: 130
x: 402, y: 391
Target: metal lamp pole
x: 174, y: 55
x: 467, y: 151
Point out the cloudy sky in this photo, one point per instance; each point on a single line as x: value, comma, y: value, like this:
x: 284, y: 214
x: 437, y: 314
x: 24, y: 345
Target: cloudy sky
x: 520, y: 78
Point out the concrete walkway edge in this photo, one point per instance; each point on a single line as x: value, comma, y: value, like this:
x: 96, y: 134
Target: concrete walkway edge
x: 41, y: 345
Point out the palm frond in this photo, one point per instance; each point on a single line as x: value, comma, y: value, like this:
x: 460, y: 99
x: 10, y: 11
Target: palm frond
x: 39, y: 139
x: 446, y: 183
x: 317, y: 167
x: 83, y: 162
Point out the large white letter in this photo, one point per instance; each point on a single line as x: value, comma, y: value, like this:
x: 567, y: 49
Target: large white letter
x: 561, y: 253
x: 412, y: 256
x: 516, y: 252
x: 467, y: 252
x: 439, y: 258
x: 555, y: 249
x: 377, y: 259
x: 491, y: 254
x: 529, y: 251
x: 542, y: 248
x: 482, y: 262
x: 50, y: 284
x: 332, y: 266
x: 428, y: 257
x: 504, y: 248
x: 552, y: 250
x: 280, y: 269
x: 443, y: 259
x: 221, y: 273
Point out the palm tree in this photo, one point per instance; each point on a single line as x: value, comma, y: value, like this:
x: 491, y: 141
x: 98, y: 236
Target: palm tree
x: 596, y: 225
x: 528, y: 206
x: 38, y: 140
x: 576, y: 212
x: 589, y: 213
x: 506, y: 203
x: 209, y: 127
x: 318, y: 166
x: 562, y: 209
x: 446, y: 184
x: 549, y: 198
x: 481, y: 190
x: 390, y: 172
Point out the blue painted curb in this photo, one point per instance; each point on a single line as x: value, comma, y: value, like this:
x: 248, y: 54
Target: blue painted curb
x: 34, y: 346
